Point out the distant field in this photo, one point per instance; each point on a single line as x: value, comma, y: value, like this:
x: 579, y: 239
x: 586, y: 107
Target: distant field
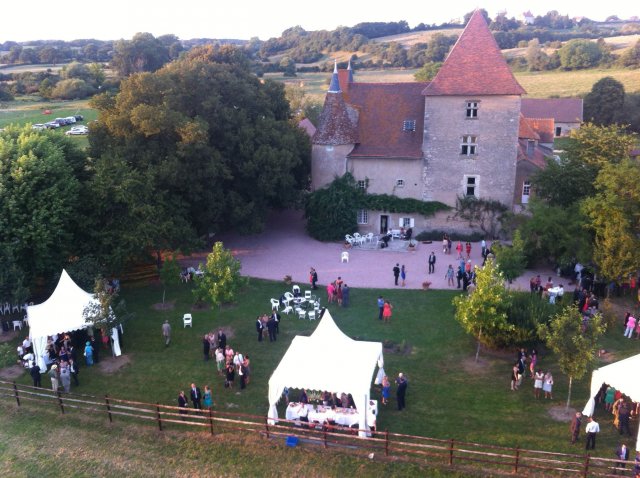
x: 23, y: 112
x: 411, y: 38
x: 537, y: 84
x: 35, y: 68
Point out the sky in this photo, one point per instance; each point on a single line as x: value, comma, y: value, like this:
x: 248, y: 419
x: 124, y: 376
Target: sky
x: 115, y: 19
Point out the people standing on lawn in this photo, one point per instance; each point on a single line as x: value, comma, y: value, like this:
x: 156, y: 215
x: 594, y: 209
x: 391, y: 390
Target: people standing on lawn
x: 206, y: 347
x: 387, y: 311
x: 196, y: 396
x: 345, y: 295
x: 183, y: 403
x: 514, y: 377
x: 220, y: 360
x: 166, y: 333
x: 386, y: 390
x: 331, y: 292
x: 401, y: 391
x: 88, y: 354
x: 630, y: 327
x: 592, y: 429
x: 380, y: 307
x: 538, y: 378
x: 547, y: 385
x: 207, y: 398
x: 468, y: 249
x: 339, y: 292
x: 576, y: 422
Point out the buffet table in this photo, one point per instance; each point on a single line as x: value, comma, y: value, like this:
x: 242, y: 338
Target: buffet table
x: 346, y: 417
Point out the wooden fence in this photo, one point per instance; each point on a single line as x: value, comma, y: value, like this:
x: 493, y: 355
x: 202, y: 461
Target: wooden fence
x: 435, y: 452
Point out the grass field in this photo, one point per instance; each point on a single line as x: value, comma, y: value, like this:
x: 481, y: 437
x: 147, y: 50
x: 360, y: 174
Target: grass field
x: 449, y: 395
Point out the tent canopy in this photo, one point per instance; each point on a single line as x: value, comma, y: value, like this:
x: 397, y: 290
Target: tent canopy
x: 327, y: 360
x: 621, y: 375
x: 61, y: 312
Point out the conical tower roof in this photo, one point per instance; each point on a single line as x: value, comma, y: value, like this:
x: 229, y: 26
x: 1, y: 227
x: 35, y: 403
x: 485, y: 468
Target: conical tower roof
x: 475, y: 66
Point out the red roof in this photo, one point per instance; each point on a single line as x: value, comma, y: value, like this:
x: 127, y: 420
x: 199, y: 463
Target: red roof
x: 563, y: 110
x: 537, y: 156
x: 545, y: 127
x: 474, y: 66
x: 383, y: 109
x: 526, y: 130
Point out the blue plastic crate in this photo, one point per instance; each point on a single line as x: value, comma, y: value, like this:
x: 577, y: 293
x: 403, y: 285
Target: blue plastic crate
x: 291, y: 441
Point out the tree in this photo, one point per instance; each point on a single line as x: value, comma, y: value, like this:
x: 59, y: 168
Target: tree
x: 631, y: 56
x: 288, y: 66
x: 221, y: 280
x: 605, y: 101
x: 428, y: 72
x: 71, y: 89
x: 599, y: 145
x: 40, y: 199
x: 169, y: 274
x: 512, y: 259
x: 574, y: 344
x: 143, y: 52
x: 537, y: 60
x: 580, y: 54
x: 105, y: 311
x: 614, y: 212
x: 483, y: 312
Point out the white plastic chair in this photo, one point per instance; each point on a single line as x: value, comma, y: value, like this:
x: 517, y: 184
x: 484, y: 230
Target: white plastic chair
x: 311, y: 314
x: 275, y: 304
x: 316, y: 306
x: 287, y: 310
x: 187, y: 320
x: 358, y: 238
x: 301, y: 313
x: 350, y: 239
x: 17, y: 324
x: 288, y: 297
x: 7, y: 308
x: 16, y: 308
x: 296, y: 289
x: 369, y: 237
x: 307, y: 294
x: 344, y: 257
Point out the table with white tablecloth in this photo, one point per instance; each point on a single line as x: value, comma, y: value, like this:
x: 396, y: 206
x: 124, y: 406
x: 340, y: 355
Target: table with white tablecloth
x: 346, y: 417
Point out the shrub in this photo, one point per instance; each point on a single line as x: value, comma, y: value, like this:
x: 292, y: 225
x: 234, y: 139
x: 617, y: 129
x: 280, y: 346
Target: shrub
x: 526, y: 312
x: 72, y: 89
x: 7, y: 355
x: 436, y: 235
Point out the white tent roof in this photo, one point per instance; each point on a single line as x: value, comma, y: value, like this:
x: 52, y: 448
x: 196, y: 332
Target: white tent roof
x: 327, y: 360
x: 621, y: 375
x: 62, y: 312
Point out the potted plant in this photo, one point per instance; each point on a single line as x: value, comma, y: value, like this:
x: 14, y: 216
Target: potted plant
x: 287, y: 279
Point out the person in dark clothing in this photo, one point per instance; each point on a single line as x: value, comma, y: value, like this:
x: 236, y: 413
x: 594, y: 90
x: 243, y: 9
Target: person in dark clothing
x: 73, y: 368
x: 396, y: 273
x: 576, y: 422
x: 314, y: 278
x: 96, y: 350
x: 206, y: 347
x: 196, y: 397
x: 34, y: 371
x: 401, y: 381
x: 432, y: 262
x: 259, y: 328
x: 345, y: 295
x: 459, y: 276
x: 271, y: 328
x: 276, y: 319
x: 222, y: 340
x: 183, y: 403
x: 623, y: 418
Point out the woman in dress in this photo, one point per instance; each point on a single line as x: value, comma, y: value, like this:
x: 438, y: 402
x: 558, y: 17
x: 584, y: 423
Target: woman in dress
x: 450, y: 275
x: 514, y: 377
x: 208, y: 398
x: 339, y: 295
x: 459, y: 249
x: 537, y: 383
x: 403, y: 274
x: 609, y: 398
x: 386, y: 390
x: 88, y: 354
x: 247, y: 369
x: 387, y: 311
x: 220, y: 360
x: 230, y: 376
x: 533, y: 363
x: 547, y: 385
x: 468, y: 249
x: 331, y: 290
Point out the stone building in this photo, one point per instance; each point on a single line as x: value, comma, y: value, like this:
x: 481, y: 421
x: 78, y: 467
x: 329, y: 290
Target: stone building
x: 458, y: 135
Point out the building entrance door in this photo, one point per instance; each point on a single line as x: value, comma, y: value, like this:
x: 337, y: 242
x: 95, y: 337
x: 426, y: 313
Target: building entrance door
x: 384, y: 224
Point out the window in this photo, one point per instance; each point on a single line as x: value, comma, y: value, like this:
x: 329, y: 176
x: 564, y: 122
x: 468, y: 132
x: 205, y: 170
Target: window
x: 399, y: 183
x: 409, y: 125
x: 469, y: 145
x: 362, y: 184
x: 471, y: 186
x: 472, y: 109
x: 363, y: 216
x: 406, y: 222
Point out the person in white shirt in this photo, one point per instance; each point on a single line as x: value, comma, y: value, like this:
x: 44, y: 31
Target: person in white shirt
x: 592, y: 429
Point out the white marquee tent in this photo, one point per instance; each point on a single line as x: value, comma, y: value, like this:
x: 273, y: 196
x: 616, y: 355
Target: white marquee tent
x: 328, y: 360
x: 62, y: 312
x: 623, y: 376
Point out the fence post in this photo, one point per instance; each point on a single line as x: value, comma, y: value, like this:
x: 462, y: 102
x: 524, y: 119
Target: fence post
x: 60, y: 401
x: 158, y: 415
x: 585, y: 472
x: 106, y: 399
x: 386, y: 443
x: 324, y: 435
x: 15, y: 391
x: 451, y: 451
x: 515, y: 468
x: 211, y: 420
x: 266, y: 425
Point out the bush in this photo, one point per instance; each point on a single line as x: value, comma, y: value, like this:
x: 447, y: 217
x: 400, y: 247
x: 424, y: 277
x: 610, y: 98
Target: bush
x: 72, y: 89
x: 7, y: 355
x: 526, y: 312
x: 436, y: 235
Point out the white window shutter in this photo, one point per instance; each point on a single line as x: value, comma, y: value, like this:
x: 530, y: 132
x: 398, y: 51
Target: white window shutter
x: 411, y: 222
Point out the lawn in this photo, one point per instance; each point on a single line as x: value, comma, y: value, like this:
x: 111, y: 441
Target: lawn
x: 449, y: 396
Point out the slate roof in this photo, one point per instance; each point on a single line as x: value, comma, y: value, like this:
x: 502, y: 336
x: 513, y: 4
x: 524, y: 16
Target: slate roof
x: 563, y: 110
x: 337, y: 122
x: 538, y: 156
x: 474, y: 66
x: 383, y: 108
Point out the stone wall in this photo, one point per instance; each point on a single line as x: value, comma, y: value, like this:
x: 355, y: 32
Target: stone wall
x: 397, y: 177
x: 445, y: 169
x: 327, y: 163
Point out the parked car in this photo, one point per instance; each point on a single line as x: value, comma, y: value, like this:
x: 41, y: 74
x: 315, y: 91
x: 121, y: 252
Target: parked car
x: 71, y: 119
x: 52, y: 125
x: 77, y: 130
x: 39, y: 126
x: 79, y: 117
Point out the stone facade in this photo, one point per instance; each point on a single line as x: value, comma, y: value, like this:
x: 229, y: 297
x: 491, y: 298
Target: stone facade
x: 447, y: 171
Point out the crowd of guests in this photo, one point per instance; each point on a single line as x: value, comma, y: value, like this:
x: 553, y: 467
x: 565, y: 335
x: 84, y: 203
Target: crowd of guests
x: 338, y: 293
x: 542, y: 379
x: 229, y: 363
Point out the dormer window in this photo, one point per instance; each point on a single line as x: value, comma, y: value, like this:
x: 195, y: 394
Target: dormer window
x: 409, y: 125
x: 472, y: 109
x: 531, y: 145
